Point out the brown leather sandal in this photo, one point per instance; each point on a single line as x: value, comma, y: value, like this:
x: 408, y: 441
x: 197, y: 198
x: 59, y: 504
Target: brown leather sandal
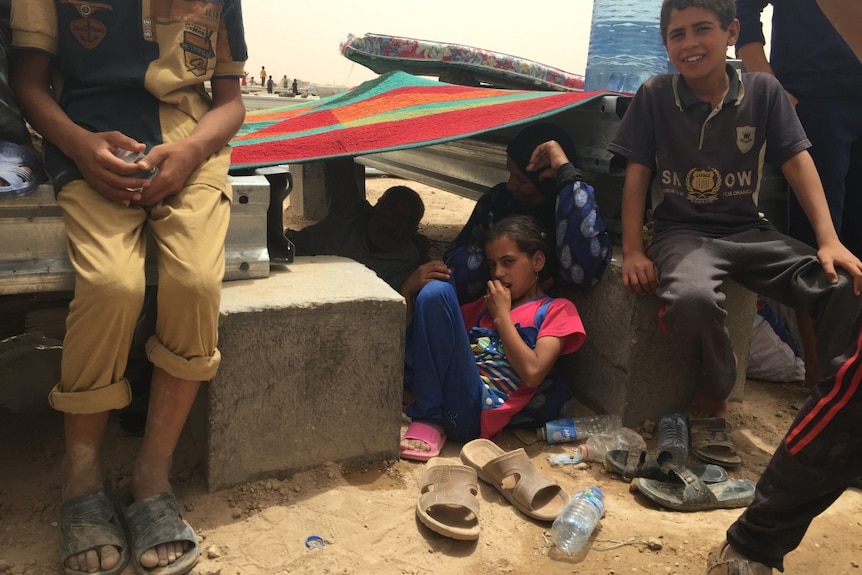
x: 447, y: 500
x: 710, y: 441
x: 514, y: 475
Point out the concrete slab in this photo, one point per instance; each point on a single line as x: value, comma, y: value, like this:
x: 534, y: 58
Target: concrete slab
x: 312, y: 370
x: 627, y: 366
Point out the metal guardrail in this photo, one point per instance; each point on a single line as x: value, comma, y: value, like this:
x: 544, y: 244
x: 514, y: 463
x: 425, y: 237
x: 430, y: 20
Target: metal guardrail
x: 470, y: 166
x: 33, y: 255
x: 465, y: 167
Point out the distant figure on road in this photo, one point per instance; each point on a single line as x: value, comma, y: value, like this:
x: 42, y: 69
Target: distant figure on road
x: 263, y: 75
x: 295, y: 88
x: 270, y: 86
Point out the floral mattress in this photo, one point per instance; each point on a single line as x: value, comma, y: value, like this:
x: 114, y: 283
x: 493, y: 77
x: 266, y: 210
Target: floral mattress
x: 456, y: 63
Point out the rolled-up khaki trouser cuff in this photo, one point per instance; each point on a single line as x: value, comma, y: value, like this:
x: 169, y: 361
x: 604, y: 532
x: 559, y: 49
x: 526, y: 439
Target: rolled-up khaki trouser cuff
x: 192, y: 369
x: 114, y: 396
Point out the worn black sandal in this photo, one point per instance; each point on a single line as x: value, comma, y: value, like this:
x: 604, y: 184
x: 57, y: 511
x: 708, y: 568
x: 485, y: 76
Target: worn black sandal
x: 657, y: 465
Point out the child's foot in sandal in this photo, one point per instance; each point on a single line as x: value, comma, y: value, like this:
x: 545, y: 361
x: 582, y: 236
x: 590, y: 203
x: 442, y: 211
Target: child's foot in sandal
x: 422, y: 441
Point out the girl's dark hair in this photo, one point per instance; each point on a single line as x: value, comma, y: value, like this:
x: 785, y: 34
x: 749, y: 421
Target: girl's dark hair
x: 527, y: 234
x: 725, y: 11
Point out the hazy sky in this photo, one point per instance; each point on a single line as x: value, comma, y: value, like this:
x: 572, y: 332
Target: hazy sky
x: 301, y: 39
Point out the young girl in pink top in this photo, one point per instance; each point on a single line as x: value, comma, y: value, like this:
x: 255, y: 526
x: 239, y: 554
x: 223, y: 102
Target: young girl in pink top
x: 470, y: 369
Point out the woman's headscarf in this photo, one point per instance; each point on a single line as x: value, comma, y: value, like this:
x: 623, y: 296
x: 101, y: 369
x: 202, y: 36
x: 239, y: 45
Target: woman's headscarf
x: 522, y: 146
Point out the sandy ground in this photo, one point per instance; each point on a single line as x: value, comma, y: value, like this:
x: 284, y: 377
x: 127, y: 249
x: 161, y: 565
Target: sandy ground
x: 366, y: 514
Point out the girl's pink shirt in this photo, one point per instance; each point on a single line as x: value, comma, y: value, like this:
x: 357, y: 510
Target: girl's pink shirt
x: 562, y: 320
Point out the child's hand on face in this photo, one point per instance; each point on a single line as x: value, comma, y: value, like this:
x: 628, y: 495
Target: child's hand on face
x: 498, y: 298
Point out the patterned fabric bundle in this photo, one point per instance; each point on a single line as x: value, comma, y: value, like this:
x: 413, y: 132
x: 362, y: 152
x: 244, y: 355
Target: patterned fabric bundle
x: 383, y: 53
x: 392, y: 112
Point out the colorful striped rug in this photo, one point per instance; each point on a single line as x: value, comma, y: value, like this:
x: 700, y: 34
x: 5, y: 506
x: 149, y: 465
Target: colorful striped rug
x: 392, y: 112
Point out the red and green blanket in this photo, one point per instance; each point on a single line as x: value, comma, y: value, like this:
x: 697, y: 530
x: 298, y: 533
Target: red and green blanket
x: 392, y: 112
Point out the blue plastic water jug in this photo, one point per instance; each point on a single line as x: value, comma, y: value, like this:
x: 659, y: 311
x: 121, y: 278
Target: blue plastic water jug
x: 625, y: 45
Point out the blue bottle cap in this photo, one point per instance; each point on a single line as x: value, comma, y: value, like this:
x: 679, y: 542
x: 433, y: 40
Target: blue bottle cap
x: 314, y: 542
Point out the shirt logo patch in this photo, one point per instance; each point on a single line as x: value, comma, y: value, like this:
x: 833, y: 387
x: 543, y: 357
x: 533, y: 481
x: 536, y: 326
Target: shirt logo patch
x: 89, y: 33
x: 744, y: 138
x: 197, y: 48
x: 702, y: 185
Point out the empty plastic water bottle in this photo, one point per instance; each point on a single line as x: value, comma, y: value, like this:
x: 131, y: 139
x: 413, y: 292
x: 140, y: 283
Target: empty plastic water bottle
x: 577, y: 428
x: 574, y: 525
x: 673, y: 436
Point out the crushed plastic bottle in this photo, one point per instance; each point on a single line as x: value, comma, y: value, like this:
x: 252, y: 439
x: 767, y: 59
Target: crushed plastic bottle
x: 577, y: 428
x: 623, y: 438
x: 574, y: 525
x: 596, y: 446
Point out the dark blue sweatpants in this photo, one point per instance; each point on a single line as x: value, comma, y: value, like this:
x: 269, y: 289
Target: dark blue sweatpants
x: 441, y: 368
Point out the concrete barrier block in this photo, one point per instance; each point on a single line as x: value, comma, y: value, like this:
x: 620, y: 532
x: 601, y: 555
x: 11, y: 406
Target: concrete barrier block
x: 628, y: 366
x: 312, y: 370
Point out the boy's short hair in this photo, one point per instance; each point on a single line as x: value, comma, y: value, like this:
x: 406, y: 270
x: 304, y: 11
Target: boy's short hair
x: 409, y: 196
x: 724, y: 9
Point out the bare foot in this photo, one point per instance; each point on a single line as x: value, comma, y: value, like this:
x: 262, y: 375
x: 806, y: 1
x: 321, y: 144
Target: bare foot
x: 94, y: 560
x: 164, y: 554
x: 82, y: 475
x: 702, y: 407
x: 148, y: 480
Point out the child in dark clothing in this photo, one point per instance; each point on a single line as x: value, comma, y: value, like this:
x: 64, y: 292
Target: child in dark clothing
x: 704, y: 134
x: 556, y: 196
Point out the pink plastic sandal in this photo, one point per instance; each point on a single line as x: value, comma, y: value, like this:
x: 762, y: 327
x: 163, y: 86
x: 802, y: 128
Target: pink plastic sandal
x: 428, y: 434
